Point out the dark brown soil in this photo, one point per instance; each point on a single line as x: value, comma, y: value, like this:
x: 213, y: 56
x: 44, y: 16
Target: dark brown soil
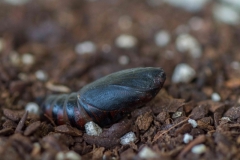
x: 50, y: 30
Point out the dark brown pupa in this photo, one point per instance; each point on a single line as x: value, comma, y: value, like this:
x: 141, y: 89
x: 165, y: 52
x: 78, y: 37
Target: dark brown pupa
x: 107, y: 99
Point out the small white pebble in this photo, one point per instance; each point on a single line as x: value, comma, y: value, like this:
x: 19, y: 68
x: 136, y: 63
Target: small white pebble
x: 162, y: 38
x: 123, y: 60
x: 193, y: 123
x: 226, y: 119
x: 28, y: 59
x: 196, y: 23
x: 177, y: 114
x: 126, y: 41
x: 216, y: 97
x: 106, y: 48
x: 41, y: 75
x: 92, y: 129
x: 85, y: 47
x: 183, y: 73
x: 147, y: 153
x: 60, y: 156
x: 226, y: 14
x: 125, y: 22
x: 187, y: 43
x: 128, y: 138
x: 71, y: 155
x: 32, y: 107
x: 187, y: 138
x: 199, y: 149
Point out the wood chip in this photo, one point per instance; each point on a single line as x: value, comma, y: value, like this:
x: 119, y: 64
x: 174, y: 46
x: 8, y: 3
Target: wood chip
x: 68, y: 130
x: 32, y: 128
x: 21, y: 123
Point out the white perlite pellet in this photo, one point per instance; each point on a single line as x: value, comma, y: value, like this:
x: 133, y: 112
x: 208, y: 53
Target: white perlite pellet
x: 177, y: 114
x: 93, y: 129
x: 193, y: 123
x: 162, y: 38
x: 126, y: 41
x: 187, y: 138
x: 71, y: 155
x: 85, y: 47
x: 199, y: 149
x: 41, y: 75
x: 28, y: 59
x: 32, y: 107
x: 187, y: 43
x: 147, y: 153
x: 128, y: 138
x: 183, y: 73
x: 226, y: 119
x: 226, y: 14
x: 215, y: 97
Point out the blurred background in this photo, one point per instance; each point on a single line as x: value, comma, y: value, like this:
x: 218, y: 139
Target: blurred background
x: 50, y: 46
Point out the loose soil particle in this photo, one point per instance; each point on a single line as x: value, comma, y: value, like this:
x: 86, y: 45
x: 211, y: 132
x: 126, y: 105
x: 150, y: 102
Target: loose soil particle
x: 12, y: 115
x: 51, y: 39
x: 144, y: 121
x: 21, y: 123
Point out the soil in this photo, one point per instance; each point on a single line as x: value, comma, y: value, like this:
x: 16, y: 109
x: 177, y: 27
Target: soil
x: 50, y: 30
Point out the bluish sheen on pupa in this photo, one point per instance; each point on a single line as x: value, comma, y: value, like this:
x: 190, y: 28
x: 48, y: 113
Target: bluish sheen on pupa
x: 107, y: 99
